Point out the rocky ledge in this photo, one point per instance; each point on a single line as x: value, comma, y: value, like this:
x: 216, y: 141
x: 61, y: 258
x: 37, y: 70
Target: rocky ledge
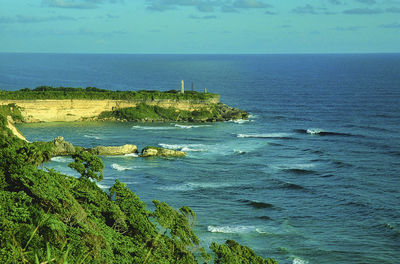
x: 64, y: 148
x: 151, y: 151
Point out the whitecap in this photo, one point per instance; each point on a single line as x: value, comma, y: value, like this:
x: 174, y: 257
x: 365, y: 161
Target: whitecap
x: 102, y: 186
x: 265, y: 135
x: 314, y: 131
x: 189, y: 186
x: 152, y: 127
x: 253, y: 116
x: 184, y: 147
x: 231, y: 229
x: 298, y: 260
x: 241, y: 121
x: 131, y: 155
x: 239, y: 152
x: 189, y: 126
x: 62, y: 159
x: 118, y: 167
x: 178, y: 187
x: 91, y: 136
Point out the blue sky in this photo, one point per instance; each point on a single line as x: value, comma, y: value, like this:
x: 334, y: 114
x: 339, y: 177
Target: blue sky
x: 200, y: 26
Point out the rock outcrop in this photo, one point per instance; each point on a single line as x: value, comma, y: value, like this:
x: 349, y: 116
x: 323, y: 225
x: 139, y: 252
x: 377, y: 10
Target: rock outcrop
x: 62, y: 147
x: 113, y: 150
x: 161, y: 152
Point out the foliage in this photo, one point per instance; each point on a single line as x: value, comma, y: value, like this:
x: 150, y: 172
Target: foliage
x: 93, y: 93
x: 145, y: 112
x: 234, y: 253
x: 48, y: 217
x: 87, y: 165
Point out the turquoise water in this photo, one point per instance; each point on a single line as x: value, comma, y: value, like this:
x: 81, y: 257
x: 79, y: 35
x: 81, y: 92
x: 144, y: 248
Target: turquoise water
x: 312, y: 177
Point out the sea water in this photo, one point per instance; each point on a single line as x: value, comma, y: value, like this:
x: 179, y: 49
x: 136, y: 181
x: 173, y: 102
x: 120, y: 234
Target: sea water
x: 312, y: 177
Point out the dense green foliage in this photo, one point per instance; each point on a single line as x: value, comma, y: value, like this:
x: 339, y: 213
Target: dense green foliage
x: 48, y: 217
x: 93, y: 93
x: 145, y: 112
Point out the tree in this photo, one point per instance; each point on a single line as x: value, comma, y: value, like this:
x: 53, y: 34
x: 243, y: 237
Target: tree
x: 87, y: 165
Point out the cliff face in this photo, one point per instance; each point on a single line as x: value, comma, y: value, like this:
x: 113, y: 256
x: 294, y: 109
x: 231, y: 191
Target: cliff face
x: 77, y: 110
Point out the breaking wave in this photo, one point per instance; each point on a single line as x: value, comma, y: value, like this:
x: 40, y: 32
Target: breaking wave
x: 233, y: 229
x: 118, y: 167
x: 91, y: 136
x: 257, y: 204
x: 321, y: 132
x: 184, y: 147
x: 62, y: 159
x: 265, y: 135
x: 131, y: 155
x: 189, y: 126
x: 152, y: 127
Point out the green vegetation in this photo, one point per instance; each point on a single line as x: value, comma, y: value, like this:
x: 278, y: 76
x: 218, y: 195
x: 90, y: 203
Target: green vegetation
x: 145, y: 112
x: 48, y: 217
x: 93, y: 93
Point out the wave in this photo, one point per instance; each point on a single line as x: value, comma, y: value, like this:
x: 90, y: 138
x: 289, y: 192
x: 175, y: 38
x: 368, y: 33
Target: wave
x: 131, y: 155
x: 257, y: 204
x: 184, y: 147
x: 152, y: 127
x: 233, y: 229
x: 190, y: 126
x: 320, y: 132
x: 91, y: 136
x: 239, y: 152
x: 190, y: 186
x: 241, y: 121
x: 292, y: 186
x: 253, y: 116
x: 118, y: 167
x: 101, y: 186
x: 298, y: 260
x: 62, y: 159
x: 299, y: 171
x: 264, y: 217
x: 266, y: 135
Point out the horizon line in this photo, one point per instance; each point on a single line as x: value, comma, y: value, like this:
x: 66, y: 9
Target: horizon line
x: 144, y: 53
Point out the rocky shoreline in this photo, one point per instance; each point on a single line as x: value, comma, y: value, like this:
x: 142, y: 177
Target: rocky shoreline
x: 61, y: 147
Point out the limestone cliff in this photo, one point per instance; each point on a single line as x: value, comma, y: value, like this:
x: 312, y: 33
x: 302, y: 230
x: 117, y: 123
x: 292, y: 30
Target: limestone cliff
x: 79, y: 110
x: 14, y: 130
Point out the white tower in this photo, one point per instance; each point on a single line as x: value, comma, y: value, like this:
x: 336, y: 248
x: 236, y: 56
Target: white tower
x: 182, y: 87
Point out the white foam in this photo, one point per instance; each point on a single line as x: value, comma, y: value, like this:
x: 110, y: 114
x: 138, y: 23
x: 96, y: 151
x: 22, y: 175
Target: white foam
x: 241, y: 121
x: 298, y: 260
x: 253, y: 116
x: 152, y: 128
x: 238, y: 151
x: 131, y: 155
x: 314, y: 131
x: 189, y: 186
x: 189, y: 126
x: 184, y: 147
x: 118, y: 167
x: 231, y: 229
x: 62, y: 159
x: 102, y: 186
x: 264, y: 135
x: 91, y: 136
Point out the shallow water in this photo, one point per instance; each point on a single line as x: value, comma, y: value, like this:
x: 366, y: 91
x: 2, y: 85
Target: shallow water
x: 312, y: 177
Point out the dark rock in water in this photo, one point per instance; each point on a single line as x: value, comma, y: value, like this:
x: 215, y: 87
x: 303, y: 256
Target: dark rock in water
x: 161, y: 152
x: 62, y: 147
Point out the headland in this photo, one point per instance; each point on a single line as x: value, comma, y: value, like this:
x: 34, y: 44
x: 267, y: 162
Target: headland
x: 48, y: 104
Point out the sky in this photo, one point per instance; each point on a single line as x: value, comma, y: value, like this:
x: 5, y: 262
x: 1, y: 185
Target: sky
x: 200, y: 26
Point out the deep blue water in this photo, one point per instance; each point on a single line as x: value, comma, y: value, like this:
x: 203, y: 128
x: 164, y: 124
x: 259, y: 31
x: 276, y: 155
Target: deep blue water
x: 312, y: 177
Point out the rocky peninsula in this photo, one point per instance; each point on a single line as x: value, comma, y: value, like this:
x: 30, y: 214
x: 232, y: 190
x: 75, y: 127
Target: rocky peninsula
x: 48, y: 104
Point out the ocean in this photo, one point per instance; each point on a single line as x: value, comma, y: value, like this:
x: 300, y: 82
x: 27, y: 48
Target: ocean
x: 312, y: 177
